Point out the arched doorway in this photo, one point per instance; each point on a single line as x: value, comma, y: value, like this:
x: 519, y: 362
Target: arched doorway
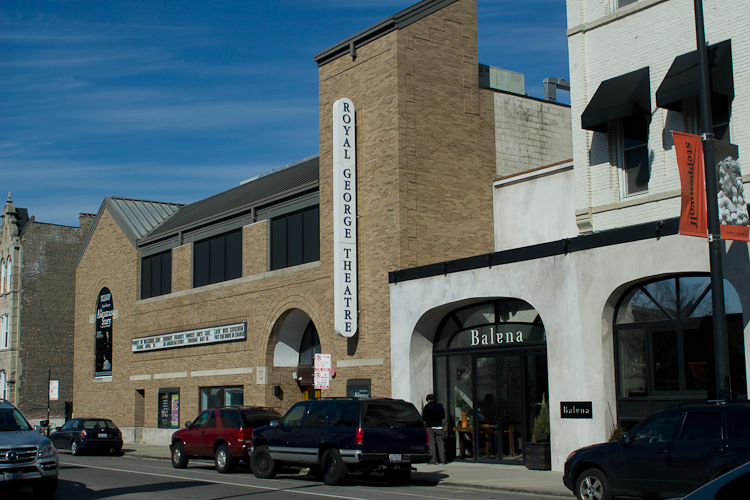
x: 490, y: 367
x: 297, y: 342
x: 664, y: 348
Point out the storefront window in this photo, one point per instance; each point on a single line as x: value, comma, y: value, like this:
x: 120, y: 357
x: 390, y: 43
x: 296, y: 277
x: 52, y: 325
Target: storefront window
x: 217, y: 397
x: 664, y: 345
x: 169, y: 408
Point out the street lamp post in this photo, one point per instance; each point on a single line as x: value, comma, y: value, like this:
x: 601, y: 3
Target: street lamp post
x: 721, y: 344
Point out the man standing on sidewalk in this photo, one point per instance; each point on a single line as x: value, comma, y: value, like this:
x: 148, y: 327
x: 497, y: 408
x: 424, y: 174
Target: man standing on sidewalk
x: 433, y: 415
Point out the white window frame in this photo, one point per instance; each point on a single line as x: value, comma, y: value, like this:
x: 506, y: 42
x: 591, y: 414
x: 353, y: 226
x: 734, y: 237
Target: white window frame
x: 621, y: 164
x: 2, y: 276
x: 9, y: 274
x: 3, y: 385
x: 5, y: 331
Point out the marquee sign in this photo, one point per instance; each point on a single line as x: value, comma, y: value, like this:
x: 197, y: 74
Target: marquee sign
x: 344, y: 218
x: 227, y: 333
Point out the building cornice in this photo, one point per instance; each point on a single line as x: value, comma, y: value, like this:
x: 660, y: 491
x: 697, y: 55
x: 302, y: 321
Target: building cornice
x: 614, y: 16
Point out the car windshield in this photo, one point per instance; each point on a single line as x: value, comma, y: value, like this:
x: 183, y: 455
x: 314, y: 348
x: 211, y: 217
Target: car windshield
x: 12, y: 420
x: 101, y: 424
x: 395, y: 415
x: 253, y: 420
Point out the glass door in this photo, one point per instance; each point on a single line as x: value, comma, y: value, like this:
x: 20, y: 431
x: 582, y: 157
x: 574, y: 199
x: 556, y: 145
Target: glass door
x: 487, y: 435
x: 510, y: 396
x: 461, y: 404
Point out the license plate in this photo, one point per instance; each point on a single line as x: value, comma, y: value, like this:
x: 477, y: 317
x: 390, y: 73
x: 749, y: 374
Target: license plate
x: 103, y: 435
x: 11, y: 476
x: 394, y: 458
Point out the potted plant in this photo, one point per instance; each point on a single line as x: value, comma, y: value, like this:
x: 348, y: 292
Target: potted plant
x: 537, y: 453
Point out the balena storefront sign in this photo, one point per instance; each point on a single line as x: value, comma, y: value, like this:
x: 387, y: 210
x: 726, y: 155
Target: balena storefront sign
x: 344, y: 218
x: 498, y: 336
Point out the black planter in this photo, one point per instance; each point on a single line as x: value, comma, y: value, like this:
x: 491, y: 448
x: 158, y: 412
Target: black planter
x: 536, y: 456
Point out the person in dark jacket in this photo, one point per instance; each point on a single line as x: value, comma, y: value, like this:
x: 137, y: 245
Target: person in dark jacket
x: 433, y: 415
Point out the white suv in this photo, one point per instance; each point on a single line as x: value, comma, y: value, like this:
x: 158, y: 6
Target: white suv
x: 27, y: 458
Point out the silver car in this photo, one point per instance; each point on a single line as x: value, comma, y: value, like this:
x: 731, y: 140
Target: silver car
x: 27, y: 458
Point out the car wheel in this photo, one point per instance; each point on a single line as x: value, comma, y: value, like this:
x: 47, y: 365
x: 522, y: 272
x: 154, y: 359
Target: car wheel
x: 316, y: 472
x: 334, y: 469
x: 223, y: 461
x: 45, y: 488
x: 116, y: 452
x: 179, y: 457
x: 75, y: 448
x: 397, y: 476
x: 592, y: 484
x: 262, y: 464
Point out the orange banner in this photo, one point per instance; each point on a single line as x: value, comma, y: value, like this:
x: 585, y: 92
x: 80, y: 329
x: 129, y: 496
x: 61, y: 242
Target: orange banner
x: 689, y: 150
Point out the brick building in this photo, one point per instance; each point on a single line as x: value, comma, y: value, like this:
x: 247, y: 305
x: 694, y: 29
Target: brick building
x: 589, y: 251
x: 181, y: 308
x: 37, y: 286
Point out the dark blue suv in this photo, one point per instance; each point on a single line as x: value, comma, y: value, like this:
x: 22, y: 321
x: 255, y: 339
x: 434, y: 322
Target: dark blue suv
x: 336, y: 436
x: 667, y: 455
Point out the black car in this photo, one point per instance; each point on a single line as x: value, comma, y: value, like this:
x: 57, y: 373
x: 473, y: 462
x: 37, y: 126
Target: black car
x: 336, y: 436
x: 82, y: 434
x: 734, y: 485
x: 669, y: 454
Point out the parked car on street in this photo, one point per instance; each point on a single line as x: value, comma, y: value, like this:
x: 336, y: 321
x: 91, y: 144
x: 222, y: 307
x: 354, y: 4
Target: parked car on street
x: 734, y: 485
x: 669, y: 454
x: 27, y: 458
x: 222, y: 434
x: 336, y: 436
x: 88, y: 434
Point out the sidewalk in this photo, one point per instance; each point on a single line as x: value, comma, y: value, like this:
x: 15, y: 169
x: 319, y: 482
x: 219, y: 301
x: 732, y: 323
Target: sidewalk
x: 473, y: 475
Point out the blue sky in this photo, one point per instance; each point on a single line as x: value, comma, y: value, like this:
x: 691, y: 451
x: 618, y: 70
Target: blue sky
x: 179, y: 100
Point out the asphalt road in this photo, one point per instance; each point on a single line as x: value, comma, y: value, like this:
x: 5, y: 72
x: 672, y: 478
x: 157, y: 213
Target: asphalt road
x: 95, y: 477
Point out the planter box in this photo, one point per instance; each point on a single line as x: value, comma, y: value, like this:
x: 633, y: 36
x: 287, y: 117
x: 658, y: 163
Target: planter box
x: 536, y: 456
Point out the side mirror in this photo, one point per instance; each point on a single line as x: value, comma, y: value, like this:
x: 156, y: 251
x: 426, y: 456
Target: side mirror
x: 58, y: 429
x: 274, y: 423
x: 188, y: 424
x: 626, y: 438
x: 44, y: 423
x: 39, y: 429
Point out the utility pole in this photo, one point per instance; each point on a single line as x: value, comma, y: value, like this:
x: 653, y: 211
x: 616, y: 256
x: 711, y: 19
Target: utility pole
x: 49, y: 386
x: 721, y: 344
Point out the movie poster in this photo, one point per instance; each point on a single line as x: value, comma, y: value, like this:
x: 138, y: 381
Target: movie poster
x: 103, y: 341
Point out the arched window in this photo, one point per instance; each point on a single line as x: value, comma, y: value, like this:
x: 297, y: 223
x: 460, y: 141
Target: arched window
x: 4, y: 331
x: 9, y: 275
x: 310, y: 345
x: 664, y: 346
x: 2, y: 276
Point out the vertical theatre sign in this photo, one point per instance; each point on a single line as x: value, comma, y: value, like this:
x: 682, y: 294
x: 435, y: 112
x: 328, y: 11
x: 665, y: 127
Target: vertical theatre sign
x: 103, y: 342
x: 733, y: 210
x: 344, y: 218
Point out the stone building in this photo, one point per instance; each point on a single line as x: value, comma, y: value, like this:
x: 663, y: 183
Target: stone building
x: 590, y: 296
x: 226, y: 300
x: 37, y: 285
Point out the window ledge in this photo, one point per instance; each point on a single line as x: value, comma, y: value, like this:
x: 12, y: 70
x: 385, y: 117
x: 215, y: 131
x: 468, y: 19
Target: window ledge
x: 234, y: 282
x: 635, y: 200
x: 614, y: 16
x: 102, y: 379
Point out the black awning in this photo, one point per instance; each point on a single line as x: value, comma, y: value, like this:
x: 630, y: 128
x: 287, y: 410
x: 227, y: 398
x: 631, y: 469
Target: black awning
x: 626, y: 95
x: 682, y: 80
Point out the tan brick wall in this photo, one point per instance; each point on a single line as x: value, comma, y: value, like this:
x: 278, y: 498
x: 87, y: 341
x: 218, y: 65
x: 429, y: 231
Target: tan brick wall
x: 182, y: 258
x: 255, y: 248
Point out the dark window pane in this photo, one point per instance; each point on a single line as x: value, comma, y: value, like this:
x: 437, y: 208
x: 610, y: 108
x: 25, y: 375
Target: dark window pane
x: 146, y: 277
x: 278, y: 243
x: 346, y: 414
x: 632, y: 367
x: 638, y: 307
x: 230, y: 419
x: 316, y: 417
x: 294, y: 242
x: 166, y: 272
x: 691, y: 290
x: 200, y: 263
x: 253, y: 420
x: 391, y: 415
x: 701, y: 426
x: 311, y: 225
x: 637, y: 169
x: 664, y: 293
x: 156, y: 275
x: 310, y: 345
x: 211, y: 424
x: 234, y: 255
x: 623, y: 3
x: 699, y: 359
x: 657, y: 430
x: 666, y: 371
x: 217, y: 258
x: 634, y: 133
x: 294, y: 416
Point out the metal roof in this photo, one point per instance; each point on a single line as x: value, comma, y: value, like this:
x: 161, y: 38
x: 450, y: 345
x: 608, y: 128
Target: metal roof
x: 136, y: 218
x: 268, y: 187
